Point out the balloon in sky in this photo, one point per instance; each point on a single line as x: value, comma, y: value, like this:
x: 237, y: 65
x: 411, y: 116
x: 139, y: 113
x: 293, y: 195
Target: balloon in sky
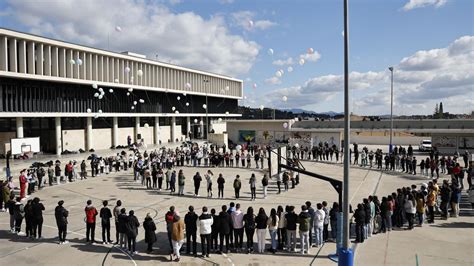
x: 187, y: 104
x: 111, y: 90
x: 245, y: 97
x: 127, y: 70
x: 278, y: 73
x: 188, y: 86
x: 173, y: 108
x: 79, y: 61
x: 262, y: 107
x: 289, y: 69
x: 301, y: 62
x: 130, y: 89
x: 101, y: 90
x: 72, y: 62
x: 285, y: 125
x: 195, y: 120
x: 204, y: 106
x: 238, y: 147
x: 140, y: 73
x: 118, y: 28
x: 133, y: 107
x: 310, y: 51
x: 101, y: 96
x: 94, y: 85
x: 179, y: 98
x: 100, y: 111
x: 128, y: 93
x: 270, y: 51
x: 250, y: 23
x: 96, y: 94
x: 96, y: 116
x: 220, y: 119
x: 146, y: 125
x: 184, y: 94
x: 227, y: 113
x: 142, y: 101
x: 176, y: 112
x: 89, y: 110
x: 135, y: 102
x: 284, y: 98
x: 255, y: 85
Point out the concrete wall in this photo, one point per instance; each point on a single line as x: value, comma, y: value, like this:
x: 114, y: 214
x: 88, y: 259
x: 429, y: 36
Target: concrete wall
x: 381, y: 140
x: 74, y: 140
x: 123, y: 133
x: 219, y: 127
x: 102, y: 138
x: 274, y: 128
x: 147, y: 134
x: 219, y: 139
x: 5, y: 141
x: 450, y: 143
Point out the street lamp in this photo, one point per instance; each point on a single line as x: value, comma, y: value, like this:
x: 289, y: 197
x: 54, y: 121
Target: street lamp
x: 391, y: 109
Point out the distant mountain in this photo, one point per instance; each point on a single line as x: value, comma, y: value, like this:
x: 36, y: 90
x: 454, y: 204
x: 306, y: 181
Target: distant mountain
x: 300, y: 111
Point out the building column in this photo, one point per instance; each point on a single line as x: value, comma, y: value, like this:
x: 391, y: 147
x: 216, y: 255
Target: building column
x: 19, y: 127
x: 137, y: 128
x: 59, y: 144
x: 115, y: 131
x: 156, y: 131
x: 89, y: 134
x: 173, y: 129
x: 188, y: 126
x: 203, y: 134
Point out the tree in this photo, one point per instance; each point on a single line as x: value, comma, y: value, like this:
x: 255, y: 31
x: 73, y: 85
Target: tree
x: 436, y: 112
x: 440, y: 111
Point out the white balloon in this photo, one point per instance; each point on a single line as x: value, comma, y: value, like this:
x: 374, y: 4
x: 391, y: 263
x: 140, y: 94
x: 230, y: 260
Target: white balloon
x: 116, y: 80
x: 219, y: 120
x: 184, y: 94
x: 100, y: 111
x: 94, y: 86
x: 289, y: 69
x: 101, y: 96
x: 79, y: 61
x: 204, y: 106
x: 278, y: 73
x: 301, y: 62
x: 284, y: 98
x: 179, y: 98
x: 135, y: 102
x: 118, y: 28
x: 310, y: 51
x: 140, y: 73
x: 101, y: 90
x: 173, y: 108
x: 142, y: 101
x: 245, y: 97
x: 146, y: 125
x: 285, y: 125
x: 96, y: 94
x: 227, y: 88
x: 255, y: 85
x: 111, y: 90
x: 187, y: 104
x: 128, y: 93
x: 195, y: 120
x: 89, y: 110
x: 72, y: 62
x: 127, y: 70
x: 187, y: 85
x: 262, y: 107
x: 96, y: 116
x: 281, y: 71
x: 176, y: 112
x: 238, y: 147
x: 250, y: 24
x: 227, y: 113
x: 270, y: 51
x: 297, y: 145
x: 130, y: 89
x: 133, y: 107
x: 201, y: 122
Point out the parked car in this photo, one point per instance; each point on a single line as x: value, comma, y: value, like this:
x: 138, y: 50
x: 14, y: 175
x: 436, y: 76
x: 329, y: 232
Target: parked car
x: 425, y: 145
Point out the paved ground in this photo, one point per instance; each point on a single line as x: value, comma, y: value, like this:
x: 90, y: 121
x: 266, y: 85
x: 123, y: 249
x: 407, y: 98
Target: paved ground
x: 444, y: 243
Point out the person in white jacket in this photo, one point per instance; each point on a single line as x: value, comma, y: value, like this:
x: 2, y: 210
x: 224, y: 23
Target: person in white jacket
x: 319, y: 224
x: 204, y: 223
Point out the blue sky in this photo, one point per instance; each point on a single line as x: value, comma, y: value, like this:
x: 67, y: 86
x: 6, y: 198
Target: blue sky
x: 382, y: 33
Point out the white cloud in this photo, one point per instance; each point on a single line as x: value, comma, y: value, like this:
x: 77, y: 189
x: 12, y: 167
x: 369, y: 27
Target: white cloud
x: 412, y: 4
x: 420, y: 81
x: 175, y: 2
x: 280, y: 62
x: 242, y: 19
x: 311, y: 57
x: 147, y: 27
x: 226, y: 1
x: 273, y: 81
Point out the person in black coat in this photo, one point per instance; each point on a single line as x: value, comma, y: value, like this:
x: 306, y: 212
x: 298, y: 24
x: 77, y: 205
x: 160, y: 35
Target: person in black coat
x: 122, y: 227
x: 224, y: 232
x: 367, y: 217
x: 132, y: 231
x: 61, y: 215
x: 190, y: 220
x: 215, y: 229
x: 197, y: 183
x: 359, y: 216
x: 105, y: 215
x: 38, y: 209
x: 150, y: 228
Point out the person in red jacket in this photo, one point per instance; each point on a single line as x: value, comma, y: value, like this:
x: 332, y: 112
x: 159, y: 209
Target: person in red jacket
x: 23, y: 182
x: 91, y: 213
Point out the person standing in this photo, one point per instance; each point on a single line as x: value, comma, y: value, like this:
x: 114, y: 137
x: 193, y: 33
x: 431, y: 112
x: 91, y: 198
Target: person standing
x: 291, y: 220
x: 215, y: 230
x: 238, y: 227
x: 209, y: 176
x: 272, y: 224
x: 265, y: 185
x: 160, y: 179
x: 105, y: 215
x: 205, y: 222
x: 61, y: 214
x: 177, y: 236
x: 150, y: 236
x: 197, y: 183
x: 237, y: 186
x: 122, y: 228
x: 220, y: 186
x: 37, y: 209
x: 281, y: 228
x: 253, y: 186
x: 173, y: 182
x: 261, y: 224
x: 132, y: 232
x: 319, y: 218
x: 181, y: 182
x: 249, y: 225
x: 311, y: 222
x: 10, y: 205
x: 190, y: 221
x: 169, y: 217
x: 420, y: 208
x: 83, y: 170
x: 116, y: 216
x: 91, y: 213
x: 23, y: 182
x: 359, y: 216
x: 224, y: 229
x: 279, y: 179
x: 333, y: 216
x: 304, y: 220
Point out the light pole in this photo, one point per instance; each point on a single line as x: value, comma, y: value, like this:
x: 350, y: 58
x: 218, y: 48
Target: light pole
x: 206, y: 81
x: 391, y: 108
x: 346, y: 257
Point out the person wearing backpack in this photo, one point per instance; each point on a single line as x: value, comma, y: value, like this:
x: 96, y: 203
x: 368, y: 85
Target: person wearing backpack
x: 105, y: 215
x: 237, y: 186
x: 265, y: 185
x: 19, y: 213
x: 304, y: 219
x: 249, y: 226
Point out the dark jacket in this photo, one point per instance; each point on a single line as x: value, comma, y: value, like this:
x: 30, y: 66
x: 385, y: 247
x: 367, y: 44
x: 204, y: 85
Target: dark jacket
x: 122, y: 223
x: 220, y: 182
x: 367, y: 213
x: 291, y: 220
x: 190, y: 220
x: 304, y: 219
x: 61, y: 215
x: 359, y: 216
x: 150, y: 228
x: 132, y: 226
x: 261, y: 221
x: 38, y: 209
x: 249, y: 222
x: 216, y: 225
x: 105, y: 215
x: 225, y: 223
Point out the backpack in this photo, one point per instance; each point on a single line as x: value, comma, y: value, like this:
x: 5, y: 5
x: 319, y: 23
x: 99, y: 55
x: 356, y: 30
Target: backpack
x: 265, y: 182
x: 237, y: 184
